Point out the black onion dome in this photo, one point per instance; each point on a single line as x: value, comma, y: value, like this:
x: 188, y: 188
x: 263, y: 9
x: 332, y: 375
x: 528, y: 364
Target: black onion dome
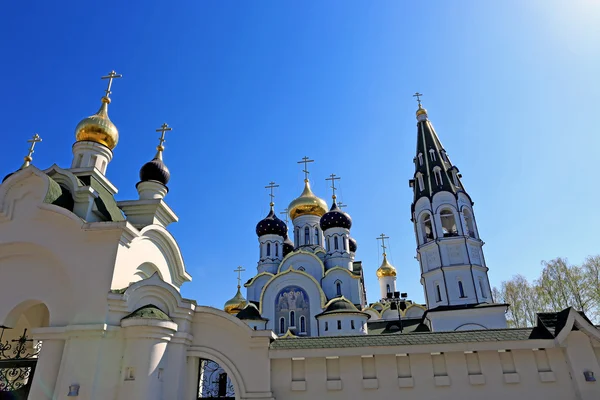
x: 271, y: 225
x: 288, y: 246
x: 155, y: 170
x: 335, y: 218
x: 353, y: 245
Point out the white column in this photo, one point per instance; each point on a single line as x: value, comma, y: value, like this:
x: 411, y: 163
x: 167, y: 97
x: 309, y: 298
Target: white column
x: 46, y: 370
x: 193, y: 364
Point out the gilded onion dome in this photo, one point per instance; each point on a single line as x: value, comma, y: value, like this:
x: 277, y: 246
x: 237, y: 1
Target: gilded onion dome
x: 335, y: 218
x: 307, y: 204
x: 235, y: 304
x: 98, y: 128
x: 421, y: 111
x: 271, y: 225
x: 386, y: 268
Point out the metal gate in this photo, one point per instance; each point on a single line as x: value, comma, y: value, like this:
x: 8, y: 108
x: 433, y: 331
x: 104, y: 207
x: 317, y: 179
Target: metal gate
x: 18, y: 358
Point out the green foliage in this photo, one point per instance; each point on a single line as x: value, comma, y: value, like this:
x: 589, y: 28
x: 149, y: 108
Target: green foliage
x: 560, y: 285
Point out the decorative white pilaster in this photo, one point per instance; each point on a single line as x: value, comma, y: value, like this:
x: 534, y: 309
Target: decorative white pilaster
x: 46, y: 370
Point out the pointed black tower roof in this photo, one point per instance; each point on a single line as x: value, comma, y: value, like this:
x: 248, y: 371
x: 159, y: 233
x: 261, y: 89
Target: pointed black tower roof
x: 433, y: 168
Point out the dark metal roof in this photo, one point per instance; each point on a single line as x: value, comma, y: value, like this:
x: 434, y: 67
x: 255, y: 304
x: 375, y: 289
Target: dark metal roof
x: 335, y: 218
x: 149, y: 311
x: 155, y: 170
x: 271, y: 225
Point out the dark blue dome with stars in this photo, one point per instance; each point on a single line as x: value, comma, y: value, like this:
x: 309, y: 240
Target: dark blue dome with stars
x: 271, y: 225
x: 288, y: 246
x: 353, y: 245
x: 335, y: 218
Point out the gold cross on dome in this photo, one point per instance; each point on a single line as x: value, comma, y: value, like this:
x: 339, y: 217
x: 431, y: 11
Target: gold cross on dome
x: 382, y: 237
x: 164, y: 128
x: 418, y: 96
x: 111, y: 75
x: 305, y: 161
x: 333, y: 178
x: 272, y: 186
x: 35, y: 139
x: 285, y: 212
x: 239, y: 271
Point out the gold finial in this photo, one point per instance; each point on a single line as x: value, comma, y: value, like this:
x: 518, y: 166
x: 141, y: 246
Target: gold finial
x: 160, y: 148
x: 285, y: 212
x: 35, y: 139
x: 418, y: 96
x: 305, y: 161
x: 111, y: 75
x: 239, y: 271
x: 382, y: 237
x: 421, y: 110
x: 333, y: 178
x: 271, y: 186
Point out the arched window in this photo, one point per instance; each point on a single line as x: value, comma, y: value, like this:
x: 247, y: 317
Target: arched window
x: 455, y: 178
x: 301, y: 269
x: 461, y: 289
x: 448, y: 223
x: 326, y: 325
x: 432, y: 154
x: 328, y: 244
x: 481, y: 288
x: 292, y: 319
x: 317, y: 239
x: 302, y: 324
x: 352, y: 324
x: 276, y: 249
x: 282, y: 325
x: 469, y: 223
x: 426, y: 228
x: 389, y: 290
x: 306, y: 236
x: 268, y: 249
x: 338, y: 288
x: 437, y: 174
x: 421, y: 182
x: 335, y: 242
x: 344, y: 242
x: 339, y: 324
x: 297, y: 237
x: 438, y: 293
x: 420, y: 157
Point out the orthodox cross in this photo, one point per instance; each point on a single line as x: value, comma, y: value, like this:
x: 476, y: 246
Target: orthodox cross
x: 163, y: 130
x: 285, y: 212
x: 305, y: 161
x: 382, y: 237
x: 239, y: 271
x: 333, y: 178
x: 342, y: 205
x: 111, y: 75
x: 272, y: 186
x: 35, y: 139
x: 418, y: 96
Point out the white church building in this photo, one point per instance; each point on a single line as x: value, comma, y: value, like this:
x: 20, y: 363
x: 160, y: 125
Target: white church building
x: 90, y: 303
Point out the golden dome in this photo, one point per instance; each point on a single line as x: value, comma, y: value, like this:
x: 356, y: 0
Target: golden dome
x: 386, y: 268
x: 98, y: 128
x: 307, y: 204
x: 236, y: 304
x: 421, y: 111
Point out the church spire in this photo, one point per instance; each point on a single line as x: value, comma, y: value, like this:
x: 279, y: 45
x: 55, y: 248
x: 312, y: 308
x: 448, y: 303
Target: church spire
x: 434, y: 172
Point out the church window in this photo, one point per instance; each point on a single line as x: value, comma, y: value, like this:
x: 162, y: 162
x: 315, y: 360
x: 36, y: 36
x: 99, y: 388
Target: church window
x: 437, y: 174
x: 302, y: 324
x: 461, y: 289
x: 444, y: 156
x: 426, y: 228
x: 292, y: 319
x: 282, y: 325
x: 448, y: 223
x: 344, y: 242
x: 455, y: 178
x: 276, y: 249
x: 317, y: 240
x: 306, y: 236
x: 268, y: 249
x: 420, y: 156
x: 328, y: 244
x: 79, y: 161
x: 481, y: 288
x: 339, y: 324
x: 352, y: 324
x: 326, y: 325
x: 338, y: 288
x: 297, y: 237
x: 388, y: 289
x: 301, y: 269
x: 438, y: 293
x: 432, y: 154
x: 335, y: 243
x: 469, y: 222
x: 421, y: 182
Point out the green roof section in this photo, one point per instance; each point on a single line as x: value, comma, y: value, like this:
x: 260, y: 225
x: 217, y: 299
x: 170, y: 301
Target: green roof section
x: 105, y: 202
x: 149, y: 312
x: 406, y: 339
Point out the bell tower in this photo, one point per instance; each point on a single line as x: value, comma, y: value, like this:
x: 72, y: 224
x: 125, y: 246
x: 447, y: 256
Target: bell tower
x: 449, y: 249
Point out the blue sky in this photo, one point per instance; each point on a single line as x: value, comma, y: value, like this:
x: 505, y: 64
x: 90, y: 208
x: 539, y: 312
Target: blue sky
x: 251, y: 87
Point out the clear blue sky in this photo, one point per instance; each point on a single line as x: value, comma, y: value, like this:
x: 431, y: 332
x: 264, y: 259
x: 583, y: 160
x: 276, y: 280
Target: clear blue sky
x: 251, y: 87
